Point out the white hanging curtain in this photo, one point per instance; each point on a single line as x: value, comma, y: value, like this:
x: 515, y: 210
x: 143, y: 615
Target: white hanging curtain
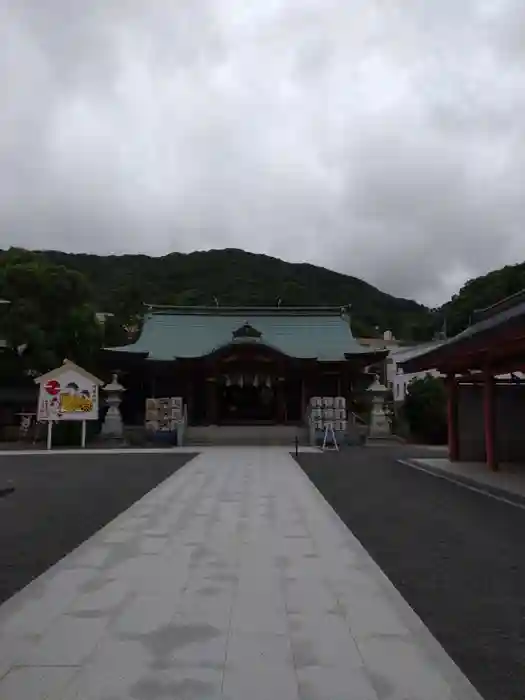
x: 268, y: 382
x: 241, y: 380
x: 255, y: 380
x: 228, y: 380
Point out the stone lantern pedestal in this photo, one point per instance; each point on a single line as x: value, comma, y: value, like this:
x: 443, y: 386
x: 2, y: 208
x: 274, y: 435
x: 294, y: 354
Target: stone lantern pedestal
x: 113, y: 427
x: 379, y: 423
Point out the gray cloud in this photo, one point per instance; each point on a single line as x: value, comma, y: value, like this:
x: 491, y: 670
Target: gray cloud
x: 381, y: 139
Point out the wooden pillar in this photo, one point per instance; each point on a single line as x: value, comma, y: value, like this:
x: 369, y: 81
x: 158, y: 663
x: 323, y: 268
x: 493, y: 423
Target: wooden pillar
x: 489, y: 420
x: 452, y: 418
x: 345, y: 382
x: 281, y: 398
x: 190, y: 380
x: 152, y: 384
x: 211, y: 399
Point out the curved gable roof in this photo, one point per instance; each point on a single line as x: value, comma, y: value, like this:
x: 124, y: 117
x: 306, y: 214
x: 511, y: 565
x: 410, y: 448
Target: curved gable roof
x: 191, y: 332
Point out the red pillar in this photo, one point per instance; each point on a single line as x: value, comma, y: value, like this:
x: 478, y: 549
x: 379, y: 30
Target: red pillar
x: 489, y: 420
x: 452, y: 418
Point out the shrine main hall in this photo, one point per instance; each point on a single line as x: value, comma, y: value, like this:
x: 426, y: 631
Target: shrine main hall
x: 240, y: 365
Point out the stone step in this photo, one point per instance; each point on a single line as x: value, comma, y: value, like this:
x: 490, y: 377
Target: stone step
x: 282, y: 435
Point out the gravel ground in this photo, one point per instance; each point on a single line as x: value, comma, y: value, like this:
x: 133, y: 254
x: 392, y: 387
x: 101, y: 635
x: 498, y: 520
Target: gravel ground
x: 61, y: 500
x: 456, y: 556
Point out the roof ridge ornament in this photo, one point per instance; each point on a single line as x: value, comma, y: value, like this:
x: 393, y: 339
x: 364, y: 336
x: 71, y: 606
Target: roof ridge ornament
x: 246, y: 331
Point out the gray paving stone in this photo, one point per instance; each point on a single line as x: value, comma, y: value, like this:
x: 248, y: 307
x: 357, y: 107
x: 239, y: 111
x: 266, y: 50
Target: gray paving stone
x: 158, y: 532
x: 145, y: 613
x: 340, y: 683
x: 68, y: 642
x: 400, y: 670
x: 248, y: 649
x: 119, y: 536
x: 12, y: 649
x: 233, y: 580
x: 254, y: 617
x: 186, y: 642
x: 260, y: 682
x: 35, y: 683
x: 105, y: 598
x: 303, y: 595
x: 323, y: 640
x: 34, y: 615
x: 212, y: 610
x: 152, y: 545
x: 371, y: 615
x: 110, y: 673
x: 181, y: 683
x: 68, y: 581
x: 146, y: 576
x: 93, y: 557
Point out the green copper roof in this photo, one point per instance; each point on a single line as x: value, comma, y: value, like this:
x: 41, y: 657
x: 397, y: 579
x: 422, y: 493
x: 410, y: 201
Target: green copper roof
x: 188, y: 332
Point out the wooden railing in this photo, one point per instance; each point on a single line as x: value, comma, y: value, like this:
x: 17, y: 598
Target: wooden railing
x: 357, y: 418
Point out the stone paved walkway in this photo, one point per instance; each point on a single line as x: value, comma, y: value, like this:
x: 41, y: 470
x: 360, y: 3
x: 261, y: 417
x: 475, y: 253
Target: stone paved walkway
x: 232, y: 580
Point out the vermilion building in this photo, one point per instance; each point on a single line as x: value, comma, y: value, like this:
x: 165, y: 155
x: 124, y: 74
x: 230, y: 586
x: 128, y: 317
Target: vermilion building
x: 486, y: 413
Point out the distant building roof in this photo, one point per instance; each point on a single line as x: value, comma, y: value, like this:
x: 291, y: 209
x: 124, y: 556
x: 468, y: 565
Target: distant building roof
x: 321, y: 333
x: 379, y: 343
x: 402, y: 354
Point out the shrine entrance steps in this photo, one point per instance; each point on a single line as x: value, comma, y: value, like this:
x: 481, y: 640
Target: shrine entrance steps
x: 254, y: 435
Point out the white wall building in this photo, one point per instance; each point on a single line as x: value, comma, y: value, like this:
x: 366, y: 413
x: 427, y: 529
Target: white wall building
x: 397, y: 380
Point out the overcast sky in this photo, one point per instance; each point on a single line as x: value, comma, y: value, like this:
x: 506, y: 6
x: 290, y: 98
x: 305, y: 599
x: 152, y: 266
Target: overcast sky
x: 382, y: 138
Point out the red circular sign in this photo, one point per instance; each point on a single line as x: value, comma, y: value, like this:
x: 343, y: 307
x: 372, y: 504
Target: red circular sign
x: 52, y: 387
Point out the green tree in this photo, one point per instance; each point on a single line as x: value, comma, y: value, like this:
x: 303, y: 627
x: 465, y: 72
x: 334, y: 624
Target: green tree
x: 480, y: 293
x: 425, y: 409
x: 114, y: 333
x: 238, y: 278
x: 50, y: 316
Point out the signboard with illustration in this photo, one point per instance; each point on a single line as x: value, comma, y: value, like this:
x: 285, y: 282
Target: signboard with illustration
x: 68, y: 393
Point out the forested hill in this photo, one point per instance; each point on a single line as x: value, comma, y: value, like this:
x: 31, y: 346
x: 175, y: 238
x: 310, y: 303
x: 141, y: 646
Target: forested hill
x: 480, y: 293
x: 235, y: 277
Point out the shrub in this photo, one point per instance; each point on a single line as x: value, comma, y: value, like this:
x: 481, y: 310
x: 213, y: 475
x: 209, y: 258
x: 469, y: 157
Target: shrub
x: 425, y: 409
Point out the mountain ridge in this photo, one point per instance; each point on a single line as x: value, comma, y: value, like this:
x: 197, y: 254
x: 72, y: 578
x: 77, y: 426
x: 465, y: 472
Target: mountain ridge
x: 234, y: 277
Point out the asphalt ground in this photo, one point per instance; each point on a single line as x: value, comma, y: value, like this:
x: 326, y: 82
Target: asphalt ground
x: 456, y: 556
x: 59, y: 501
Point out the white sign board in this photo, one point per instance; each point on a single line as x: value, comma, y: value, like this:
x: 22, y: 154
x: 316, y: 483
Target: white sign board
x: 68, y: 395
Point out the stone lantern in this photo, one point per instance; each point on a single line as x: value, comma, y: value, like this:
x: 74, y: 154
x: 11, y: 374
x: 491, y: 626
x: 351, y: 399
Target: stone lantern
x: 113, y: 426
x: 379, y: 423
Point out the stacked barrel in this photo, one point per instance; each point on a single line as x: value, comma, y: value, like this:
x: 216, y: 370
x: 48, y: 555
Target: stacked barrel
x: 329, y: 412
x: 164, y: 414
